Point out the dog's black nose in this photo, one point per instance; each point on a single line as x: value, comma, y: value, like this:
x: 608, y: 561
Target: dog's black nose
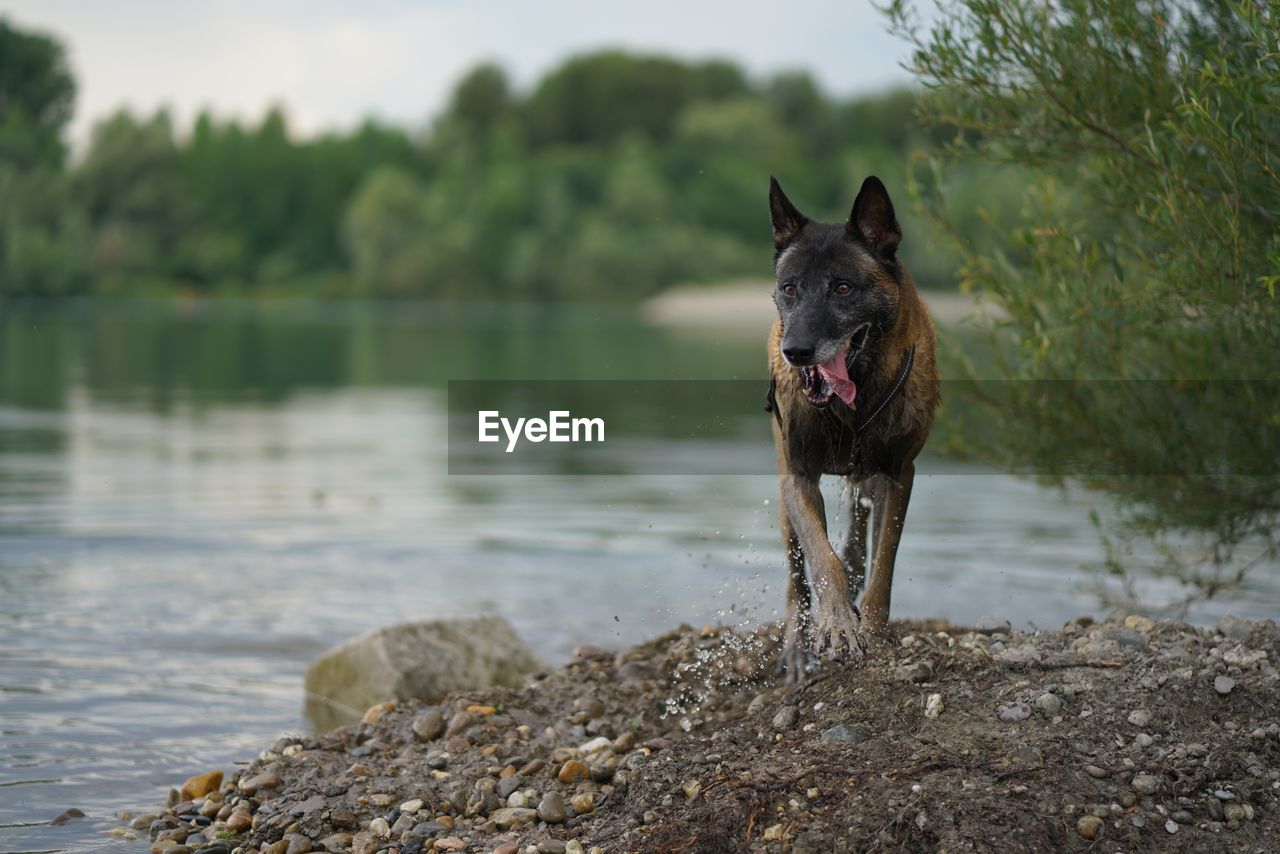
x: 798, y: 355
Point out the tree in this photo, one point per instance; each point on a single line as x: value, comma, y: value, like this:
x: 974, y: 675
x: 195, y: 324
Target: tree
x: 1150, y: 255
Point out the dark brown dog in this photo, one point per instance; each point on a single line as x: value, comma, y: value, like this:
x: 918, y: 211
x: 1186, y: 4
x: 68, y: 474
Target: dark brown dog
x: 854, y: 386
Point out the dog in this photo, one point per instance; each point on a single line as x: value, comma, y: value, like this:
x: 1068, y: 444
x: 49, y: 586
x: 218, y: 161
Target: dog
x: 853, y: 390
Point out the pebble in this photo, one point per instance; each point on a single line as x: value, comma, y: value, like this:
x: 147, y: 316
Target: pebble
x: 1224, y: 685
x: 66, y: 816
x: 457, y: 724
x: 509, y: 817
x: 1013, y: 712
x: 551, y: 808
x: 239, y: 822
x: 1089, y: 826
x: 429, y: 725
x: 336, y: 841
x: 993, y: 625
x: 551, y: 846
x: 298, y: 845
x: 379, y: 828
x: 772, y: 833
x: 1143, y: 740
x: 1171, y: 826
x: 1140, y: 717
x: 691, y: 788
x: 786, y: 717
x: 933, y: 706
x: 573, y: 846
x: 1215, y: 809
x: 1095, y: 772
x: 1233, y: 812
x: 919, y: 671
x: 573, y: 771
x: 450, y: 843
x: 1050, y: 704
x: 373, y: 714
x: 582, y: 804
x: 1182, y: 817
x: 266, y: 780
x: 1145, y: 784
x: 846, y: 734
x: 200, y: 785
x: 507, y: 848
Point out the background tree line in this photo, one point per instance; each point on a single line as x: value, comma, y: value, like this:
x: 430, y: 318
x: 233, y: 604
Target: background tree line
x: 615, y: 176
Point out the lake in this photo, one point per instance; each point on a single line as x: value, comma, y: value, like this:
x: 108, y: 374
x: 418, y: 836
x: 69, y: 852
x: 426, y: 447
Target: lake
x: 197, y: 499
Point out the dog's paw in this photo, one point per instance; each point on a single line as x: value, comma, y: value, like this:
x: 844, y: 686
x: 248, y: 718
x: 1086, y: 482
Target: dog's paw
x: 838, y: 634
x: 794, y: 662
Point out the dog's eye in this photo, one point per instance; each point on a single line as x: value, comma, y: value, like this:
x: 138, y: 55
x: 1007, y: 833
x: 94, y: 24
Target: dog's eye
x: 843, y: 288
x: 788, y: 288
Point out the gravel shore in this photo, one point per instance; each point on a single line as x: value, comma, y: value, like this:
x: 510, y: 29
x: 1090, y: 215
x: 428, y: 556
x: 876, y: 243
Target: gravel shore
x: 1129, y: 734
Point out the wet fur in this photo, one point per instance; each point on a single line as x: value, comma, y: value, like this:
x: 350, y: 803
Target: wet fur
x: 810, y: 442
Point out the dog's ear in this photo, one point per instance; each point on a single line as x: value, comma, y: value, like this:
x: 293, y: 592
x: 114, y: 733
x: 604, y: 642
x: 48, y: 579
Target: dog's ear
x: 872, y: 222
x: 787, y: 221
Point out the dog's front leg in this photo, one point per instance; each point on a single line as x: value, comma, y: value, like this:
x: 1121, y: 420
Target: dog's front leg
x: 891, y: 500
x: 836, y: 630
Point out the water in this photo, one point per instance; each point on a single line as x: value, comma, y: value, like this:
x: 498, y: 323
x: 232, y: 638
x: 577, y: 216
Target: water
x: 195, y: 501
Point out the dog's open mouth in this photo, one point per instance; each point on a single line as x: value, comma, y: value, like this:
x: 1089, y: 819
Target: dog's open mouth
x: 824, y: 382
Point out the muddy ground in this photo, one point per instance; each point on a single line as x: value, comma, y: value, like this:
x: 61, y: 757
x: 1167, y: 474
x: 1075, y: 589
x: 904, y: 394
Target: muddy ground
x: 1125, y: 735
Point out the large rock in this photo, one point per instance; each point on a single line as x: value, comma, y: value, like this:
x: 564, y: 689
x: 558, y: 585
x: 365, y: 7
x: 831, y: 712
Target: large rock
x: 423, y: 661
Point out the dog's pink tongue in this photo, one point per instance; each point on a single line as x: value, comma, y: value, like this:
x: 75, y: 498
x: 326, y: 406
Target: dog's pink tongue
x: 836, y: 373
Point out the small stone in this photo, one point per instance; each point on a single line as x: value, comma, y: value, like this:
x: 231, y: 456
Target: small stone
x: 1139, y: 623
x: 1224, y: 795
x: 450, y: 843
x: 919, y: 671
x: 551, y: 808
x: 992, y: 625
x: 582, y: 804
x: 624, y: 742
x: 573, y: 771
x: 177, y: 849
x: 1182, y: 817
x: 299, y: 844
x: 1171, y: 826
x: 1145, y: 784
x: 1013, y: 712
x: 1140, y: 717
x: 429, y: 725
x: 1095, y: 772
x: 691, y: 788
x: 362, y: 843
x: 933, y: 706
x: 507, y: 848
x: 786, y: 717
x: 379, y: 828
x: 479, y: 709
x: 258, y: 782
x: 143, y: 821
x: 1089, y: 826
x: 239, y: 822
x: 595, y: 745
x: 374, y: 713
x: 66, y: 816
x: 1143, y: 740
x: 508, y: 785
x: 412, y: 806
x: 336, y: 841
x: 457, y: 724
x: 509, y: 817
x: 757, y: 703
x: 1224, y: 685
x: 1233, y: 812
x: 1050, y: 704
x: 551, y: 846
x: 772, y: 833
x: 517, y: 799
x: 846, y: 734
x: 200, y: 785
x: 573, y: 846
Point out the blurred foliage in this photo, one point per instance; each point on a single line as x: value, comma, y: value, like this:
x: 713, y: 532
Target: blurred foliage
x: 617, y: 175
x: 1141, y: 278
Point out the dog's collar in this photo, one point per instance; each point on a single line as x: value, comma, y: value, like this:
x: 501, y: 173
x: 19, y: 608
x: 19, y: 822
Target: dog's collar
x: 899, y: 383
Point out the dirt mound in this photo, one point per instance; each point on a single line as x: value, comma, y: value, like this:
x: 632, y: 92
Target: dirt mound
x: 1136, y: 734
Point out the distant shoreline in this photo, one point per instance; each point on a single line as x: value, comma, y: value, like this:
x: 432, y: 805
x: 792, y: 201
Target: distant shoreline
x: 746, y: 305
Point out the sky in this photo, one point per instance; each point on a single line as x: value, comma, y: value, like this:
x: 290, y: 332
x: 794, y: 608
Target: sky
x: 331, y: 64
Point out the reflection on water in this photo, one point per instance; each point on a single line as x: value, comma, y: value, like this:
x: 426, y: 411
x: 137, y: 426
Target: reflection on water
x: 194, y: 503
